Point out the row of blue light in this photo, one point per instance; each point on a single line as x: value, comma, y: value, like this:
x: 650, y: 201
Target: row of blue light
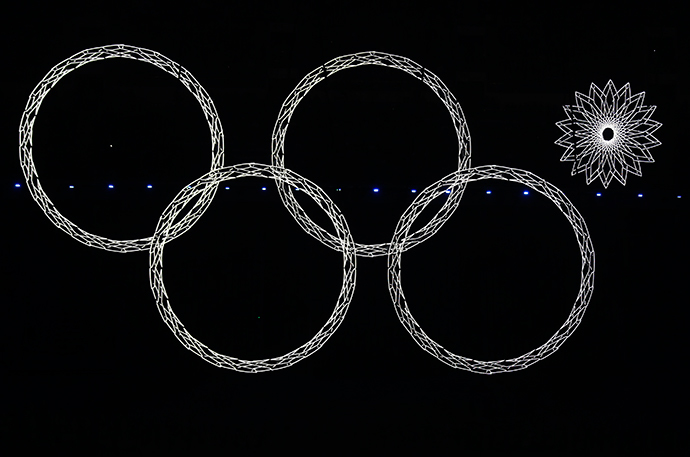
x: 375, y: 189
x: 110, y: 186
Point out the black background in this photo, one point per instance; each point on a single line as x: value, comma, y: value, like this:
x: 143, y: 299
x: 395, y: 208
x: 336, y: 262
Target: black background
x: 89, y: 365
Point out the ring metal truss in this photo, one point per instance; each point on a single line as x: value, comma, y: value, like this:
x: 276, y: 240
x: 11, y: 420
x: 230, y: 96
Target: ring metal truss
x: 199, y: 189
x: 193, y: 200
x: 26, y: 131
x: 386, y: 60
x: 461, y: 177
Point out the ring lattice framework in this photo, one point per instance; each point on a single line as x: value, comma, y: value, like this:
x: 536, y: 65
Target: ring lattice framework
x: 193, y: 200
x: 461, y: 177
x: 198, y: 188
x: 26, y: 131
x: 386, y: 60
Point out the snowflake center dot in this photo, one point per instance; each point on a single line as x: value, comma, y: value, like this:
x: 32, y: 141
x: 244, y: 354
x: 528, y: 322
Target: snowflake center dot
x: 607, y: 134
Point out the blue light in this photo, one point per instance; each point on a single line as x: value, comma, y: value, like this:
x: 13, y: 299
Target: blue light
x: 678, y: 196
x: 376, y: 189
x: 263, y: 188
x: 296, y: 188
x: 598, y: 194
x: 17, y: 185
x: 71, y: 187
x: 525, y: 192
x: 448, y: 191
x: 639, y: 195
x: 488, y: 192
x: 338, y: 189
x: 110, y: 186
x: 227, y: 188
x: 414, y: 191
x: 149, y: 186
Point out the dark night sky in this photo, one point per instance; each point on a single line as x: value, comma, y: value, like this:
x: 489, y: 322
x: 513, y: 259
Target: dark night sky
x: 89, y: 362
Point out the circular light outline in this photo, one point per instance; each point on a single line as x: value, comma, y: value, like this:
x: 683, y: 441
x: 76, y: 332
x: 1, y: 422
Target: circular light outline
x: 356, y: 60
x: 42, y: 89
x: 197, y: 189
x: 461, y: 177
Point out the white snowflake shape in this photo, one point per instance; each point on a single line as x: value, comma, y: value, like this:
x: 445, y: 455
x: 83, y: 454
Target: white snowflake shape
x: 608, y: 133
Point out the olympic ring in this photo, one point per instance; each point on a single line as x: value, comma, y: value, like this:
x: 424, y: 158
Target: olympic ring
x: 201, y: 192
x: 212, y: 179
x: 474, y: 174
x: 26, y: 130
x: 385, y: 60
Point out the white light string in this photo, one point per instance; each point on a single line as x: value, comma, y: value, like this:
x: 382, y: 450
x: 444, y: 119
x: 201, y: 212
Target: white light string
x: 26, y: 133
x: 456, y: 179
x: 193, y: 200
x: 386, y: 60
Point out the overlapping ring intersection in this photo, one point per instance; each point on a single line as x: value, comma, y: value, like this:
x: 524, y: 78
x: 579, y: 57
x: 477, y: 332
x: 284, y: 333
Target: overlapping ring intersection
x: 197, y: 196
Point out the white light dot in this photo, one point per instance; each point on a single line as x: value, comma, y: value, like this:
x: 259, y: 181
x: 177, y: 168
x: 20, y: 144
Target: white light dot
x: 376, y: 189
x: 526, y: 192
x: 110, y: 186
x: 639, y: 195
x: 263, y: 188
x: 71, y: 187
x: 488, y: 192
x: 149, y: 186
x: 598, y: 194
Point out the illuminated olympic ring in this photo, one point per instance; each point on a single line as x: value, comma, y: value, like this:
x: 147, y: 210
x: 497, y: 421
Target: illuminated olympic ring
x: 198, y: 188
x: 385, y: 60
x: 461, y: 177
x: 26, y: 131
x: 199, y: 194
